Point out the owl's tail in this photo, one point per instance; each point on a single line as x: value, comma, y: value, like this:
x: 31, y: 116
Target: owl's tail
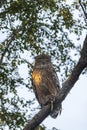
x: 56, y: 112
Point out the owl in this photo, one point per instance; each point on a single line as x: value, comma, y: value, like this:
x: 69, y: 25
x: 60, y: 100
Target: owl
x: 45, y: 83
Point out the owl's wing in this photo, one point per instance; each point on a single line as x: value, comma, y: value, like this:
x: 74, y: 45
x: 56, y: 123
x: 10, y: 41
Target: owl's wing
x: 55, y: 78
x: 54, y: 88
x: 51, y: 80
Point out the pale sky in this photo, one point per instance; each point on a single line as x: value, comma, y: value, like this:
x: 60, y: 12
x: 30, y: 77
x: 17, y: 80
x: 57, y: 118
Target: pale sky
x: 74, y: 113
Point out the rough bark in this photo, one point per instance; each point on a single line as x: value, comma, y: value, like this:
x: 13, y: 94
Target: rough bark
x: 66, y: 87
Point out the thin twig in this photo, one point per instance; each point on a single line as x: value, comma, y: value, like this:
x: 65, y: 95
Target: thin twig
x: 83, y: 9
x: 5, y: 50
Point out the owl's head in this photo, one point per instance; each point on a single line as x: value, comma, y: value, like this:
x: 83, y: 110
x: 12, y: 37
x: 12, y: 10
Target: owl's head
x: 42, y: 59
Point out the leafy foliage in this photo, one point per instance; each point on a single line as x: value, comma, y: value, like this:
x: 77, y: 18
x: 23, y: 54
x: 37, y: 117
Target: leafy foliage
x: 31, y: 27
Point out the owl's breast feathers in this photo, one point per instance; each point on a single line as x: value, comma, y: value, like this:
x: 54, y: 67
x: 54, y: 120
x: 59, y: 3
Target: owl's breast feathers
x: 37, y: 77
x: 44, y: 85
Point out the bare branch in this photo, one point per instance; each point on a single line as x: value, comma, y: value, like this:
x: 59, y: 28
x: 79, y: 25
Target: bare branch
x: 38, y: 118
x: 67, y: 86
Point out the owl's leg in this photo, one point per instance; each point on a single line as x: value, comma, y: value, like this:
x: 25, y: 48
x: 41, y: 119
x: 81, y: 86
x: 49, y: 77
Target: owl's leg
x: 51, y: 105
x: 49, y: 99
x: 52, y: 100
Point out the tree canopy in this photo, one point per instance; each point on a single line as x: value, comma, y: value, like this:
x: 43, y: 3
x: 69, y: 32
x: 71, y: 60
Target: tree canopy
x: 29, y: 28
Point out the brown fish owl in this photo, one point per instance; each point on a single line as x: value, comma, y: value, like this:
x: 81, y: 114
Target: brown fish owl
x: 45, y: 82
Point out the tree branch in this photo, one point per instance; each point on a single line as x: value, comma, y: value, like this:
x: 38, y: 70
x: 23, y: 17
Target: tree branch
x: 9, y: 40
x: 67, y: 86
x: 5, y: 50
x: 83, y: 9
